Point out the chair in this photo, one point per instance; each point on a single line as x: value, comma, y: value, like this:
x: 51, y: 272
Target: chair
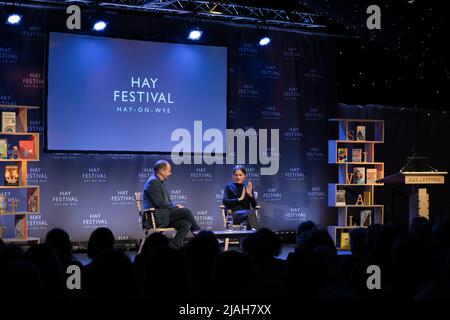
x: 144, y: 214
x: 235, y: 226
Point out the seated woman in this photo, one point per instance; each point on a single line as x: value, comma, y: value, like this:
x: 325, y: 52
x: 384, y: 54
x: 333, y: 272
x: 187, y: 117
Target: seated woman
x: 240, y: 199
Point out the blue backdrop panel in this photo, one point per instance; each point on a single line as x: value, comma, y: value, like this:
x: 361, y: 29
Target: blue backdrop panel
x: 288, y: 85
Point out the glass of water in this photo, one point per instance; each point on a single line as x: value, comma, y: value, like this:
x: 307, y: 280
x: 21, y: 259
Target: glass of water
x: 229, y: 223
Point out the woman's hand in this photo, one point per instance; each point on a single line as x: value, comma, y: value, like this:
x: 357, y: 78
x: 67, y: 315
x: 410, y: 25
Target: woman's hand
x: 242, y: 195
x: 249, y: 189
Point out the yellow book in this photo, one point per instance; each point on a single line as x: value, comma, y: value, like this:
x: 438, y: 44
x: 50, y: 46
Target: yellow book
x: 367, y: 198
x: 8, y: 122
x: 345, y: 240
x: 371, y: 175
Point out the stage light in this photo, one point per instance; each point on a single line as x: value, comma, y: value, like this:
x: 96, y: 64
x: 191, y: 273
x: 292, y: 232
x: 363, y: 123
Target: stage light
x: 99, y: 25
x: 264, y: 41
x: 195, y: 35
x: 13, y: 19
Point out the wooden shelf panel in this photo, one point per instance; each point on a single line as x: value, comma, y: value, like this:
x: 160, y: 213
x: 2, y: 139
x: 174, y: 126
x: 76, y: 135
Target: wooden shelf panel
x: 18, y: 160
x: 359, y: 141
x: 20, y: 213
x: 362, y: 206
x: 19, y: 133
x: 368, y: 163
x: 18, y: 107
x: 359, y: 184
x: 354, y: 120
x: 19, y: 187
x: 29, y: 239
x: 342, y: 227
x: 358, y: 206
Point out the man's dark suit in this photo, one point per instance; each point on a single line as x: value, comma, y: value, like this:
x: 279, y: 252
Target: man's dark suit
x: 166, y: 214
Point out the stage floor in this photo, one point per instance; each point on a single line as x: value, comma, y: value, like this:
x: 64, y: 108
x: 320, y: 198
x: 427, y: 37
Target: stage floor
x: 285, y: 250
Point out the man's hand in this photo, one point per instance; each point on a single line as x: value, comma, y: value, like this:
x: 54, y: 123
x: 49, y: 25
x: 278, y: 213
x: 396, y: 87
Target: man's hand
x: 249, y: 189
x: 179, y: 206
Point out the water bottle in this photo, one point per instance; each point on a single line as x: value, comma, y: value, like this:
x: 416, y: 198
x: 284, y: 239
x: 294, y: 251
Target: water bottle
x: 229, y: 221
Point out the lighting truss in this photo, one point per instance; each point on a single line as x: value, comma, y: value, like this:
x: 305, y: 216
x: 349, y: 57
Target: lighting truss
x: 222, y: 10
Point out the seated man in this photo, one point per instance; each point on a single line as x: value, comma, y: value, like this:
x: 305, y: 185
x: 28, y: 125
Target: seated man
x: 167, y: 214
x: 239, y: 198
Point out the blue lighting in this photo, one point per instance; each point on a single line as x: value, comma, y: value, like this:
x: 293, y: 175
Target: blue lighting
x: 264, y: 41
x: 195, y: 35
x: 13, y: 19
x: 100, y: 26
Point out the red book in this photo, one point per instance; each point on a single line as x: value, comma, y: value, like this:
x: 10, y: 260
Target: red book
x: 26, y: 149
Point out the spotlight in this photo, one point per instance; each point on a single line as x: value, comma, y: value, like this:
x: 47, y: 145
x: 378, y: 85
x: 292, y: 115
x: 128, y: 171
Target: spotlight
x: 99, y: 25
x: 195, y: 35
x: 264, y: 41
x: 13, y: 19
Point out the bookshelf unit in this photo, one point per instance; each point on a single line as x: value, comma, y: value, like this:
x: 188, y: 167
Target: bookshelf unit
x: 32, y: 196
x: 359, y: 197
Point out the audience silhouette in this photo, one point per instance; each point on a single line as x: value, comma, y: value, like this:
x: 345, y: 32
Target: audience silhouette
x: 414, y: 261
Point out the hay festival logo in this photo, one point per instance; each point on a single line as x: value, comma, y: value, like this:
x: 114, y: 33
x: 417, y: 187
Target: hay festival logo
x: 144, y: 96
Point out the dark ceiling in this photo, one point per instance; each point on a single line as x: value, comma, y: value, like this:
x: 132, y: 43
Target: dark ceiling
x: 405, y: 64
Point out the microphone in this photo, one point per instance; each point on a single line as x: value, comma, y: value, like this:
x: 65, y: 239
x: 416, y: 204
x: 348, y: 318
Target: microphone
x: 414, y: 155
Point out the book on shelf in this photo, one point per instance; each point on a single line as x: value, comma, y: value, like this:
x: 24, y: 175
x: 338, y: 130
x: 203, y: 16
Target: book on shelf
x: 367, y: 198
x: 366, y: 218
x: 361, y: 133
x: 15, y: 152
x: 380, y: 174
x: 3, y: 149
x: 26, y: 149
x: 359, y: 175
x: 350, y: 222
x: 20, y: 226
x: 33, y: 203
x: 356, y: 155
x: 340, y: 198
x: 345, y: 240
x: 342, y: 154
x: 3, y: 203
x: 11, y: 175
x: 350, y: 135
x: 8, y: 122
x: 371, y: 175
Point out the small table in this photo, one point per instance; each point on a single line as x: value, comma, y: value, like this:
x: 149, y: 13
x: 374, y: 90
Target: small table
x: 227, y: 234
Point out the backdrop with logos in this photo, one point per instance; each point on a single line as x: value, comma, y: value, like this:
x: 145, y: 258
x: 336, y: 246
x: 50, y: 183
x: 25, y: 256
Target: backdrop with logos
x: 288, y: 85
